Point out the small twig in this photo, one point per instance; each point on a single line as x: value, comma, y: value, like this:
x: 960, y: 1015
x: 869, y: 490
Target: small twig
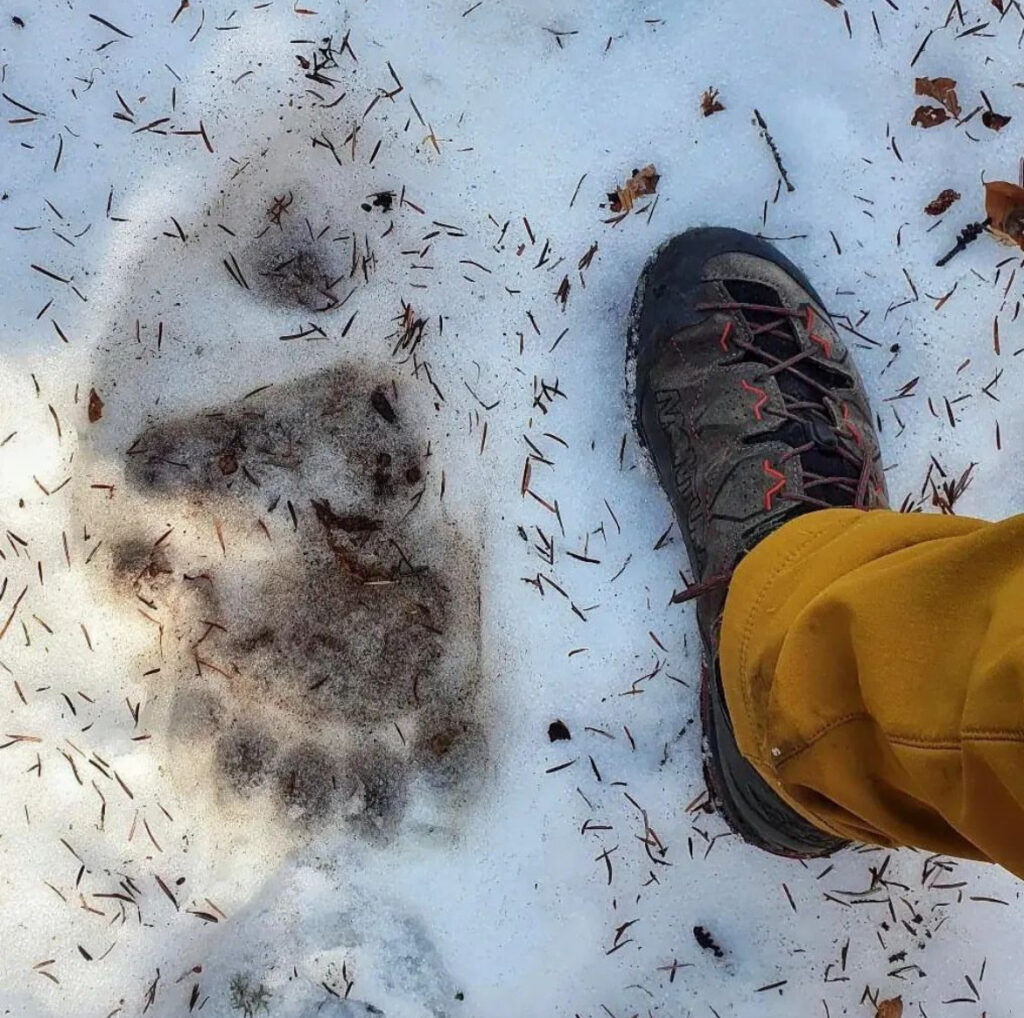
x: 775, y: 151
x: 968, y: 235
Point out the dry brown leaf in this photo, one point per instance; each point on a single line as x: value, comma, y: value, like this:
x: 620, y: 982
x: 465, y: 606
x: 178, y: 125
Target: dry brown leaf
x: 929, y: 116
x: 642, y: 182
x: 709, y: 102
x: 994, y: 121
x: 95, y: 406
x: 942, y: 202
x: 998, y: 5
x: 942, y: 90
x: 890, y: 1008
x: 1004, y: 206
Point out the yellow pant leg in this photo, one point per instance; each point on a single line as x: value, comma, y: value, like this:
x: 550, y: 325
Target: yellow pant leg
x: 873, y: 665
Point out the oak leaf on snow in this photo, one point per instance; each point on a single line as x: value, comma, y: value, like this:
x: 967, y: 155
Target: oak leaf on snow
x: 1004, y: 206
x: 942, y: 90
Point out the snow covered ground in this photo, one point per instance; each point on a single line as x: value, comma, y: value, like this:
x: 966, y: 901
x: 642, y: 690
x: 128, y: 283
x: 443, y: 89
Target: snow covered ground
x: 189, y: 823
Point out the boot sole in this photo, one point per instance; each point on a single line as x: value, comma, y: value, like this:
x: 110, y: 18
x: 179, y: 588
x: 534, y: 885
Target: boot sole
x: 809, y: 844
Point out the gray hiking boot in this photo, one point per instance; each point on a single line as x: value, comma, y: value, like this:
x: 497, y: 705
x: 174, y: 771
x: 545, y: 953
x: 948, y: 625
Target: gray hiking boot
x: 753, y: 413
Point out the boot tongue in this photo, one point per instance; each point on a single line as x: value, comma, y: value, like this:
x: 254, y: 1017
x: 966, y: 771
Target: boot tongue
x: 783, y: 342
x: 822, y: 434
x: 814, y: 424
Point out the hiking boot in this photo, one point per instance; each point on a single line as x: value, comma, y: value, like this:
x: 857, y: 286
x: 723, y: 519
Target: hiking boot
x: 753, y: 414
